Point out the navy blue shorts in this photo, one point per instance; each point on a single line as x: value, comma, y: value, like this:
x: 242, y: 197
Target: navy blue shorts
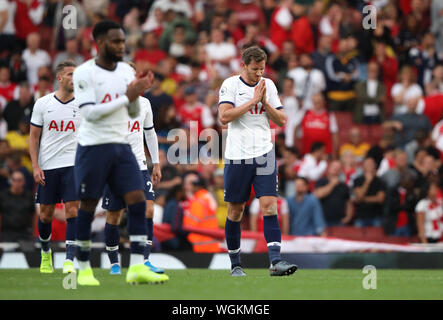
x: 112, y: 164
x: 59, y: 185
x: 116, y: 203
x: 240, y: 175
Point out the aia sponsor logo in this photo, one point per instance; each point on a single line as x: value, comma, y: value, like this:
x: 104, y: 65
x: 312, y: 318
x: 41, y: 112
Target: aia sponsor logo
x: 62, y: 126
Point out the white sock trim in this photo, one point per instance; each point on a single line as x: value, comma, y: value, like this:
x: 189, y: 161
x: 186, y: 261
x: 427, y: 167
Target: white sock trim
x: 234, y: 251
x: 149, y: 242
x: 136, y: 258
x: 138, y: 238
x: 45, y: 240
x: 112, y: 248
x: 71, y: 242
x: 84, y: 243
x: 270, y: 244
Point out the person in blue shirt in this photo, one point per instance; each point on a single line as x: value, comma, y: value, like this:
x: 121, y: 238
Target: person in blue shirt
x: 305, y: 211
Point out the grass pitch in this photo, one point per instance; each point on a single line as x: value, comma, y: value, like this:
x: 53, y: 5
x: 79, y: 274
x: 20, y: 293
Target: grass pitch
x: 204, y: 284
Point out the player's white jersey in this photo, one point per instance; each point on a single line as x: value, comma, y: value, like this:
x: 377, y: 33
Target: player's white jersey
x: 60, y: 123
x: 135, y: 134
x: 249, y: 136
x: 96, y: 85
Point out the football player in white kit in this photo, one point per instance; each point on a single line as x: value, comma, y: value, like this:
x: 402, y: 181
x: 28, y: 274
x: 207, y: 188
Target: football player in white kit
x: 52, y: 143
x: 115, y: 205
x: 246, y: 103
x: 107, y: 91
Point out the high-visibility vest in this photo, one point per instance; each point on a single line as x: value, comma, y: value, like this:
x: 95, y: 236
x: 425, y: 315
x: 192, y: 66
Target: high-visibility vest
x: 202, y: 214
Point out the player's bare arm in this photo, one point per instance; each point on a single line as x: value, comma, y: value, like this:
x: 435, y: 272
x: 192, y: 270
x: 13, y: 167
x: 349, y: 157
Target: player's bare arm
x: 34, y: 146
x: 228, y: 113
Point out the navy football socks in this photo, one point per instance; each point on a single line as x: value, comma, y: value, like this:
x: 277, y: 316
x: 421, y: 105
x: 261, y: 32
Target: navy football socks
x: 70, y: 238
x: 233, y: 235
x: 150, y: 234
x: 272, y: 232
x: 44, y: 231
x: 137, y: 228
x: 112, y: 239
x: 83, y: 234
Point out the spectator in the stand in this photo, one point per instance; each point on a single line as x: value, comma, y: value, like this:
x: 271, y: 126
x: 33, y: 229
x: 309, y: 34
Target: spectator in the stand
x: 71, y: 53
x: 3, y: 126
x: 437, y: 76
x: 7, y: 88
x: 253, y: 37
x: 322, y: 52
x: 256, y: 216
x: 149, y: 55
x: 218, y: 194
x: 319, y: 125
x: 425, y: 58
x: 14, y: 163
x: 17, y: 211
x: 294, y: 113
x: 355, y: 145
x: 314, y: 164
x: 44, y: 84
x: 34, y: 57
x: 201, y: 214
x: 196, y: 111
x: 288, y: 168
x: 177, y: 46
x: 429, y: 212
x: 425, y: 167
x: 281, y: 65
x: 405, y: 90
x: 400, y: 220
x: 406, y: 125
x: 28, y: 15
x: 173, y: 215
x: 303, y: 39
x: 17, y: 109
x: 181, y: 7
x: 61, y: 32
x: 19, y: 141
x: 432, y: 104
x: 422, y: 140
x: 370, y: 195
x: 377, y: 151
x: 393, y: 176
x: 388, y: 65
x: 305, y: 211
x: 17, y: 67
x: 281, y: 22
x: 5, y: 150
x: 7, y: 28
x: 156, y: 95
x: 308, y: 81
x: 437, y: 24
x: 330, y: 23
x: 370, y: 98
x: 350, y: 168
x: 342, y: 71
x: 249, y: 12
x: 220, y: 52
x: 334, y: 196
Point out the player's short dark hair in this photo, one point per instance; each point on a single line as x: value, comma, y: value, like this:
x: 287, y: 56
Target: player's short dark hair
x: 102, y: 28
x: 62, y: 65
x: 254, y: 53
x: 317, y: 146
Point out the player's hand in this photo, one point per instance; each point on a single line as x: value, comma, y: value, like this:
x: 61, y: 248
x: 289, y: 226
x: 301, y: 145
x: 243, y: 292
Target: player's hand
x: 149, y: 75
x: 258, y: 93
x: 137, y: 87
x: 39, y: 176
x: 263, y: 98
x: 156, y: 174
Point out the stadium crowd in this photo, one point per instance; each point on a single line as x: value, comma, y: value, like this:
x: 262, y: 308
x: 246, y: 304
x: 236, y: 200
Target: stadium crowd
x: 363, y: 141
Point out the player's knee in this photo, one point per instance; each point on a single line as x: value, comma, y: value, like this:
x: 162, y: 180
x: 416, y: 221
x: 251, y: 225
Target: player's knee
x: 113, y: 217
x: 46, y: 213
x: 235, y: 213
x: 88, y: 205
x: 45, y: 218
x: 72, y: 210
x: 135, y: 196
x: 149, y: 210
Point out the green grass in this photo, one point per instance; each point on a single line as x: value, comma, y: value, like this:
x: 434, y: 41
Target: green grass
x: 203, y: 284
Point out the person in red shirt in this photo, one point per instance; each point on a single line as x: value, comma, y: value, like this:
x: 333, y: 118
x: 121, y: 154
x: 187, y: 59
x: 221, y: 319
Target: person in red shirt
x: 7, y: 88
x: 302, y: 34
x: 249, y: 12
x: 432, y: 105
x: 388, y: 65
x: 195, y: 111
x: 150, y: 55
x: 281, y: 22
x: 28, y: 16
x: 319, y: 125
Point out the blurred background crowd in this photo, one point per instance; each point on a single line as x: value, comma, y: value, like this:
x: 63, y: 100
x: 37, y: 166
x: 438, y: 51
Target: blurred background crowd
x: 363, y: 141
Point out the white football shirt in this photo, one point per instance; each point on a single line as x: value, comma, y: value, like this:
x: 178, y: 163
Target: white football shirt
x: 60, y: 124
x: 135, y: 131
x: 249, y: 136
x: 96, y: 85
